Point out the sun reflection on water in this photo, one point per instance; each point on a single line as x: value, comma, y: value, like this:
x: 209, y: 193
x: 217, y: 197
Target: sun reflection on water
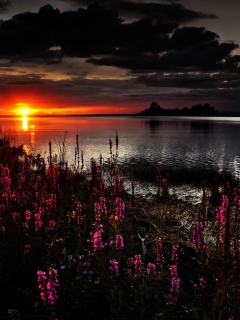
x: 25, y: 123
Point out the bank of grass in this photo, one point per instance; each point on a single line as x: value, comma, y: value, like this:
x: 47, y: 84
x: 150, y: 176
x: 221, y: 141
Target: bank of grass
x: 76, y: 246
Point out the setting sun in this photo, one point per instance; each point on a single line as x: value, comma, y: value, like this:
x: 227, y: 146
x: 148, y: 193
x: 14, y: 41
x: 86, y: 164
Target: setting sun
x: 23, y: 108
x: 24, y: 111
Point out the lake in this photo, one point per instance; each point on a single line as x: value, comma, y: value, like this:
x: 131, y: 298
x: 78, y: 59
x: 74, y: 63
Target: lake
x: 174, y: 141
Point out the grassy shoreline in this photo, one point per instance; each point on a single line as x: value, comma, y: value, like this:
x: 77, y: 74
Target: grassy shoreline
x: 78, y: 245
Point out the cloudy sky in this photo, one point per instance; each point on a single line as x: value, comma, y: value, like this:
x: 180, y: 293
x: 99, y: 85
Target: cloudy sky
x: 117, y: 56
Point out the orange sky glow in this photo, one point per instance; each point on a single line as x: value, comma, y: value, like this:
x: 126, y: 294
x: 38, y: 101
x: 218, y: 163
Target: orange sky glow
x: 24, y: 108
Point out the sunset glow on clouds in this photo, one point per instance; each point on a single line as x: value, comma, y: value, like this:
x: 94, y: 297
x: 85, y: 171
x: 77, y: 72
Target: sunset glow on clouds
x: 115, y: 56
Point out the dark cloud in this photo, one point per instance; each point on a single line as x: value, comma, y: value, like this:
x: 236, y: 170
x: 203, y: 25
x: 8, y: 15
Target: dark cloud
x: 164, y: 10
x: 145, y: 44
x: 188, y: 49
x: 5, y: 4
x: 191, y: 80
x: 97, y: 30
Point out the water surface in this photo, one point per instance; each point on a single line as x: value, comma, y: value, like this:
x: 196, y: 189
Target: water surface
x: 164, y: 140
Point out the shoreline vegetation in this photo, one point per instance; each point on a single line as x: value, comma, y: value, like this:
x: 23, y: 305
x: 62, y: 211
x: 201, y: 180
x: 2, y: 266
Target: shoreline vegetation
x: 75, y: 244
x: 197, y: 110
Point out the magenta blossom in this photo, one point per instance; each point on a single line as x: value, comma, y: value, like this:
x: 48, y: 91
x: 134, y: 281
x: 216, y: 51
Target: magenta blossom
x: 151, y: 269
x: 113, y: 267
x: 119, y: 242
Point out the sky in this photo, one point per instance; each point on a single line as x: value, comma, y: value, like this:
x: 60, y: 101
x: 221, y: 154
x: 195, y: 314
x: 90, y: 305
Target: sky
x: 118, y: 56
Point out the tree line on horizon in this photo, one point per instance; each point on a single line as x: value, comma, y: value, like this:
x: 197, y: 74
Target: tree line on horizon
x: 198, y: 110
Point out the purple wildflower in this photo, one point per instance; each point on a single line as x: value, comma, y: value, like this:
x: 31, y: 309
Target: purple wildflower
x: 129, y: 265
x: 119, y: 242
x: 221, y: 215
x: 137, y: 266
x: 103, y: 206
x: 175, y: 281
x: 97, y: 239
x: 151, y: 269
x: 174, y: 252
x: 97, y: 208
x: 41, y: 284
x: 120, y: 209
x: 202, y: 282
x: 51, y: 225
x: 113, y: 267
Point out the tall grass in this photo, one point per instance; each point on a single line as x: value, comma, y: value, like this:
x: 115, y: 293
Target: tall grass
x: 78, y: 246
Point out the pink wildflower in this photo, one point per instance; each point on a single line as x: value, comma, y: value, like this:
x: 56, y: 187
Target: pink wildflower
x: 175, y: 281
x: 38, y: 222
x: 174, y: 252
x: 51, y: 225
x: 119, y: 242
x: 130, y: 262
x: 79, y: 217
x: 27, y: 215
x: 113, y: 267
x: 202, y: 282
x: 97, y: 211
x: 151, y: 269
x: 15, y: 216
x: 97, y: 239
x: 137, y: 266
x: 120, y: 209
x: 103, y: 206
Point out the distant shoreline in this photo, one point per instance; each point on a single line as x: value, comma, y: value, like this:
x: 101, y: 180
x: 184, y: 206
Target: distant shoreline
x: 139, y: 115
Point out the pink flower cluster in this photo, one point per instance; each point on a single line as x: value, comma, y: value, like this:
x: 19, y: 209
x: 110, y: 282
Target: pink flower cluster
x: 130, y: 262
x: 221, y: 215
x: 174, y: 252
x: 51, y: 225
x: 79, y: 213
x: 52, y: 201
x: 137, y: 266
x: 175, y: 281
x: 119, y: 242
x: 6, y: 195
x: 103, y: 206
x: 97, y: 208
x: 151, y: 269
x: 120, y: 209
x: 48, y: 289
x: 113, y: 267
x: 222, y: 211
x: 202, y: 282
x: 38, y: 219
x: 97, y: 239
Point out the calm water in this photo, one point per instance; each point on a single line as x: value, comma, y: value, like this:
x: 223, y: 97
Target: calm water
x: 169, y: 140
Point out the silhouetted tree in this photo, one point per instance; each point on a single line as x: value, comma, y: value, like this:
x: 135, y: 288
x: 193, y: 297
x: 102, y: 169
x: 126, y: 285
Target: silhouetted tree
x: 48, y: 11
